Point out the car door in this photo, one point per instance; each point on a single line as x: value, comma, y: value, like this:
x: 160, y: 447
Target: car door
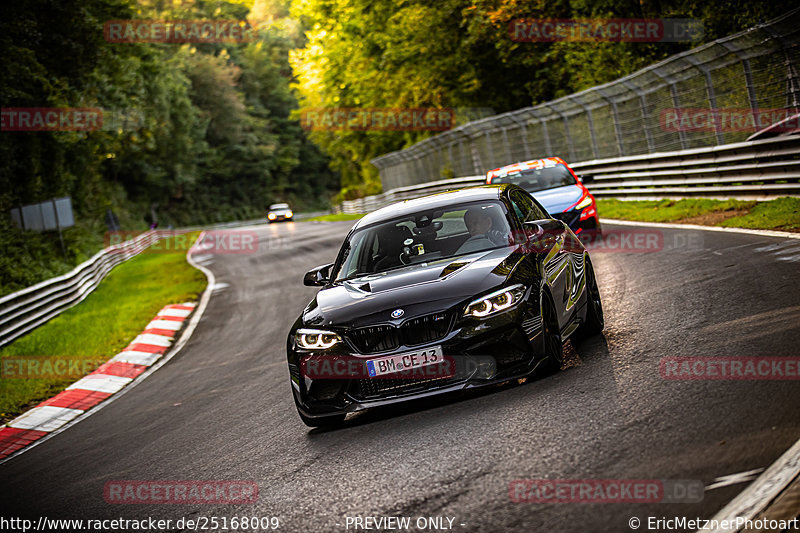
x: 558, y: 268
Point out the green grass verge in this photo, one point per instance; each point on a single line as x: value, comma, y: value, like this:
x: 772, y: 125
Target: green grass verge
x: 782, y: 213
x: 104, y: 323
x: 335, y: 218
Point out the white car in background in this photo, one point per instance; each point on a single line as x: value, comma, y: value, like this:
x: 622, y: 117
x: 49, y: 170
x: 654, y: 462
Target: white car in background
x: 278, y: 212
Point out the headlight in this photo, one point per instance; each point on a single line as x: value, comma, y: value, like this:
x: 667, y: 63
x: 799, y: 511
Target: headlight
x: 586, y: 202
x: 316, y: 339
x: 271, y: 216
x: 496, y: 302
x: 289, y: 214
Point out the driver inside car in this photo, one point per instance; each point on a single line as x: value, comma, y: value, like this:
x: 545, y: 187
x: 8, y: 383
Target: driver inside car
x: 480, y: 225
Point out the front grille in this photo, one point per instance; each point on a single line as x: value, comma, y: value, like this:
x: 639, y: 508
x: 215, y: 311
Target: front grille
x: 373, y: 339
x: 368, y: 388
x: 569, y: 218
x: 420, y: 330
x: 426, y: 328
x: 326, y: 389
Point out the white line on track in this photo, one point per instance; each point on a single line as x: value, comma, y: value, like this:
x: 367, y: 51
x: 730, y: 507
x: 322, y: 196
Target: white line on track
x: 762, y: 491
x: 763, y: 232
x: 780, y: 474
x: 735, y: 479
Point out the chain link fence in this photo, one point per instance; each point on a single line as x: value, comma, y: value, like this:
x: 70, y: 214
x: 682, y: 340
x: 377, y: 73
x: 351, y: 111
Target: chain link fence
x: 753, y: 71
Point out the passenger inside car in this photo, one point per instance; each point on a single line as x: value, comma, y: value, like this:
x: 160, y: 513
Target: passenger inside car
x: 391, y: 243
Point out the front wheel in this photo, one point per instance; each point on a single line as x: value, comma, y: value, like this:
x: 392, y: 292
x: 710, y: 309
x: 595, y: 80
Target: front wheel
x: 594, y: 322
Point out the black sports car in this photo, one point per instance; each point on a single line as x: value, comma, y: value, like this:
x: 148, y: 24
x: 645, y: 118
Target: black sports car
x: 442, y: 293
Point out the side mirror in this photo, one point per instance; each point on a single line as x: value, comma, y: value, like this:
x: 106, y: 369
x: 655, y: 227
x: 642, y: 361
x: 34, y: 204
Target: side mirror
x: 534, y: 228
x: 318, y: 276
x: 542, y: 234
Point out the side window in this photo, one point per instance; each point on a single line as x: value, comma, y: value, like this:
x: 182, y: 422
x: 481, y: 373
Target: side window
x: 526, y: 207
x: 517, y: 210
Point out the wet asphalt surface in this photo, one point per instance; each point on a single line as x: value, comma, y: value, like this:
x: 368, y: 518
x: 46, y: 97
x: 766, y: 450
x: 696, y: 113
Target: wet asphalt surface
x: 222, y: 408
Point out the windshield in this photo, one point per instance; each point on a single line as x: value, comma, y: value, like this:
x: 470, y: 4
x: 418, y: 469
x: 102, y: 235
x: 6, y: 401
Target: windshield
x: 279, y: 206
x: 425, y: 236
x: 539, y: 179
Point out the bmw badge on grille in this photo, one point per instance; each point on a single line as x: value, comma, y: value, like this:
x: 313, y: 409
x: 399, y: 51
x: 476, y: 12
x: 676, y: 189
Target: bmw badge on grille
x: 397, y: 313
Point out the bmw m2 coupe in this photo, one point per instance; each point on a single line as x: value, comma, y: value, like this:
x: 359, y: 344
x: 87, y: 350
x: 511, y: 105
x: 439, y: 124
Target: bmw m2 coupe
x: 443, y: 293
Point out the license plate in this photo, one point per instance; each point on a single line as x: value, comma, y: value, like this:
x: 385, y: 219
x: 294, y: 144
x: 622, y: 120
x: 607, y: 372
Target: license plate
x: 405, y: 361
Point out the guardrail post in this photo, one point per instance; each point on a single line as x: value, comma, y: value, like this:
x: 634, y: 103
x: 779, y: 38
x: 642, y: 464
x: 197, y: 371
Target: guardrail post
x: 570, y: 146
x: 712, y: 96
x: 791, y: 75
x: 524, y: 131
x: 615, y: 113
x: 675, y: 102
x: 450, y: 163
x: 547, y: 146
x: 506, y: 144
x: 591, y: 126
x: 60, y: 234
x: 643, y: 104
x: 748, y: 74
x: 477, y: 164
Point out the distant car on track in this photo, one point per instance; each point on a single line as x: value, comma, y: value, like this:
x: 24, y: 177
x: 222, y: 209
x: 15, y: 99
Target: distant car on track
x: 439, y: 294
x: 278, y: 212
x: 554, y: 184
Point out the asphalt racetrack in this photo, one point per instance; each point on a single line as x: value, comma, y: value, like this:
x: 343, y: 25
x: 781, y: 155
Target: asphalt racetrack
x: 222, y: 408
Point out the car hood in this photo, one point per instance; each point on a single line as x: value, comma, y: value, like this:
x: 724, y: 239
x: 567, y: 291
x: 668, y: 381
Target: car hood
x: 558, y: 199
x: 416, y: 289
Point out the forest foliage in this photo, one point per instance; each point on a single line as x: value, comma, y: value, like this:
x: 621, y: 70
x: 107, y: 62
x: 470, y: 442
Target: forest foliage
x: 198, y: 133
x: 458, y: 54
x: 192, y: 132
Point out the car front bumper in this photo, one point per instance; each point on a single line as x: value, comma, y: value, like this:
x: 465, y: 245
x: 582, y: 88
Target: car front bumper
x: 485, y: 352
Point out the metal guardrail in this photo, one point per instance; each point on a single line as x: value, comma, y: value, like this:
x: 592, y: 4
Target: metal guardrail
x: 24, y: 310
x: 755, y: 170
x: 371, y: 203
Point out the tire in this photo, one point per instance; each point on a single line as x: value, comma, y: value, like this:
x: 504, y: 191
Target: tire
x: 594, y: 322
x: 553, y: 344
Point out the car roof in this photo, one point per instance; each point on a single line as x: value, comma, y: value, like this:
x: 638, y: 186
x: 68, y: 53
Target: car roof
x: 435, y: 201
x: 785, y: 127
x: 279, y: 205
x: 545, y: 162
